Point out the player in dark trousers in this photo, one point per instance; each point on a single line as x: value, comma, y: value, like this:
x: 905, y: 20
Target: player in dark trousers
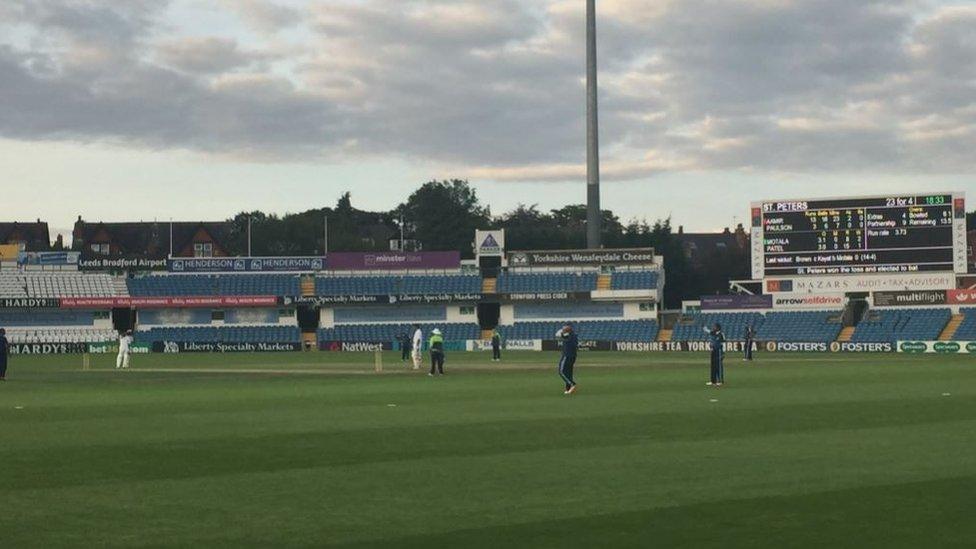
x: 4, y: 352
x: 404, y: 340
x: 496, y: 345
x: 568, y: 359
x: 436, y: 353
x: 750, y: 336
x: 718, y: 355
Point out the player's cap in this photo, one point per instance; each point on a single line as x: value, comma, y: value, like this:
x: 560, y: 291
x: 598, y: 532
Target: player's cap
x: 436, y: 331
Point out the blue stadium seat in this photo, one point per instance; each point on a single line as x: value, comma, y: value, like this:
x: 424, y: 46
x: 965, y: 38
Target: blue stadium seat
x: 634, y: 280
x: 225, y: 334
x: 393, y: 285
x: 797, y: 326
x: 967, y: 330
x: 546, y: 282
x: 213, y: 285
x: 890, y: 325
x: 388, y: 332
x: 601, y: 330
x: 691, y: 326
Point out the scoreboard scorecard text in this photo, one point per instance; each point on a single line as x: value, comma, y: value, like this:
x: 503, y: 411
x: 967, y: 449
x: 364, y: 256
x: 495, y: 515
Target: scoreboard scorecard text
x: 859, y: 236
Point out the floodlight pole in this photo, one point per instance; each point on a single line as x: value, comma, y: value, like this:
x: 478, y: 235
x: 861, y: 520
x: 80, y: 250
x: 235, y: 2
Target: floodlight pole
x: 593, y: 214
x: 248, y: 236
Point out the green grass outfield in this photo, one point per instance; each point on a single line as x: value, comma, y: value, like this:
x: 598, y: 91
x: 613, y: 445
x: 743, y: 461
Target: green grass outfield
x: 315, y: 449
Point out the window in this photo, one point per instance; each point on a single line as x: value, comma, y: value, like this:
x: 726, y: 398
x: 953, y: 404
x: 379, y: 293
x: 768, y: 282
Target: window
x: 467, y: 311
x: 203, y: 249
x: 101, y: 249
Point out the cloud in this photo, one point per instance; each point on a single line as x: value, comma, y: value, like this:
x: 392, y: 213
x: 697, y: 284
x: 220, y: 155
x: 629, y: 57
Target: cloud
x: 493, y: 88
x: 202, y: 55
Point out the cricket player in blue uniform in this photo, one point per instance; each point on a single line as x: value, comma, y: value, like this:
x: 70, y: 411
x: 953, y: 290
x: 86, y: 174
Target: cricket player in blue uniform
x: 568, y: 359
x: 718, y: 355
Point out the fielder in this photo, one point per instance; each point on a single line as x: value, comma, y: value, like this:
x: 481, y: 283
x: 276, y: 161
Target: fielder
x: 125, y: 347
x: 568, y: 359
x: 718, y: 355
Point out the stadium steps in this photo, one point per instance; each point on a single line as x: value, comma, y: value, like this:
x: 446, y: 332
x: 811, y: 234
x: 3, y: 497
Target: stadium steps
x: 308, y: 286
x: 310, y: 340
x: 664, y: 335
x: 489, y: 285
x: 119, y: 286
x: 949, y: 332
x: 846, y: 333
x: 604, y: 282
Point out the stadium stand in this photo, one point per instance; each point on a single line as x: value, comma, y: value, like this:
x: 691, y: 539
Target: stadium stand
x: 54, y: 285
x: 634, y: 280
x: 546, y: 282
x: 60, y: 335
x: 967, y: 330
x: 806, y: 326
x: 212, y: 285
x: 224, y: 334
x: 12, y: 285
x: 545, y: 311
x: 890, y: 325
x: 603, y: 330
x: 389, y: 332
x: 46, y: 317
x: 690, y: 327
x: 391, y: 285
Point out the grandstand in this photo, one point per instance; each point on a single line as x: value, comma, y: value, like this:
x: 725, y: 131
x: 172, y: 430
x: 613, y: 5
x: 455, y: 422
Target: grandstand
x: 967, y: 330
x: 221, y: 334
x: 891, y: 325
x: 691, y: 327
x: 58, y: 284
x: 519, y: 282
x: 388, y: 332
x: 214, y: 285
x: 408, y: 284
x: 597, y: 330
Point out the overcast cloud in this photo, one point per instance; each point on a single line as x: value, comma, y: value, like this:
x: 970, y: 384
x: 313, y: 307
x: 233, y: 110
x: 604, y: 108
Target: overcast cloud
x: 493, y: 88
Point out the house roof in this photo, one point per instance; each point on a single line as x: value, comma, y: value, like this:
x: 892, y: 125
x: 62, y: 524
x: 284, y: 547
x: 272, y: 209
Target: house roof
x: 35, y: 233
x: 150, y: 238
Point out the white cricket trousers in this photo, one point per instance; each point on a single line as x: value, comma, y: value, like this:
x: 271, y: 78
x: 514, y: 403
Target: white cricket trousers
x: 122, y: 361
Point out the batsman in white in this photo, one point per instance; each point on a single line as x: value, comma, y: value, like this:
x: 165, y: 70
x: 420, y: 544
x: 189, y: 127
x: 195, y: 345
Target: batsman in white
x: 418, y: 346
x: 125, y: 346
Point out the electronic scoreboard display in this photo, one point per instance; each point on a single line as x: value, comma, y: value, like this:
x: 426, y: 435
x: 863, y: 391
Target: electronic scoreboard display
x: 859, y: 236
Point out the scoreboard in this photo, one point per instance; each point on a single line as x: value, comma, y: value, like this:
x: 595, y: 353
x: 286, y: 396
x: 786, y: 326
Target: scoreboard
x: 859, y: 236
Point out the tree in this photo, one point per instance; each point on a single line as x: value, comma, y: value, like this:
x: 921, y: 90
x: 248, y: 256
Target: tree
x: 445, y: 215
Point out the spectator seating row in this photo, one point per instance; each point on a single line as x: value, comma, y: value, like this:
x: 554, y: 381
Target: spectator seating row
x: 60, y: 335
x: 806, y: 326
x: 890, y: 325
x: 45, y: 318
x: 546, y: 282
x: 55, y: 285
x: 634, y: 280
x: 392, y: 285
x: 211, y: 285
x: 222, y: 334
x: 691, y: 327
x: 967, y: 330
x: 375, y: 333
x: 602, y: 330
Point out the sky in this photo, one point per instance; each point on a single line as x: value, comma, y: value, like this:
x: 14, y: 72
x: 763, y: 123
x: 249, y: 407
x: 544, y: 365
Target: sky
x: 198, y: 109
